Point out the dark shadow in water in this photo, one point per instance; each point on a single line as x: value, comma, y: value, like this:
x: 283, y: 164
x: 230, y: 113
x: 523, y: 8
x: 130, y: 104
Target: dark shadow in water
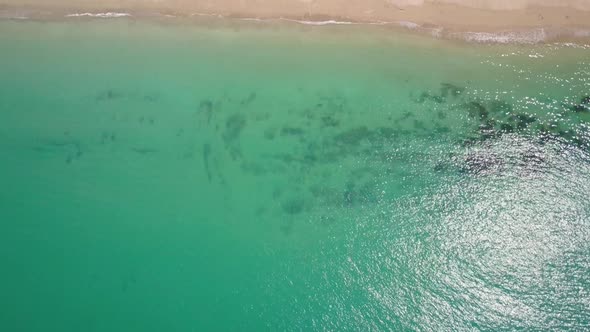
x: 206, y: 155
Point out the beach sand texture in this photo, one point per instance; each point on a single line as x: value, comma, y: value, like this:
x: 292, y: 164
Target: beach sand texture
x: 460, y: 15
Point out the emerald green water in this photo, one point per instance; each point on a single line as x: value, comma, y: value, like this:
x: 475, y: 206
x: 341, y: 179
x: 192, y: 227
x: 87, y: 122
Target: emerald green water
x: 243, y: 177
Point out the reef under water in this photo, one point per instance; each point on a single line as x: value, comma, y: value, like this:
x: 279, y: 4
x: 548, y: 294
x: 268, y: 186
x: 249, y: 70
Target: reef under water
x: 238, y: 177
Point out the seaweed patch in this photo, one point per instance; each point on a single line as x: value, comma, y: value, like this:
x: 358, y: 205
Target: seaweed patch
x: 206, y: 155
x: 246, y: 101
x: 109, y: 95
x: 354, y: 136
x: 293, y: 206
x: 478, y: 163
x: 329, y: 121
x: 446, y: 91
x: 450, y: 90
x: 233, y: 128
x: 476, y: 110
x: 292, y: 131
x: 234, y: 125
x: 206, y: 109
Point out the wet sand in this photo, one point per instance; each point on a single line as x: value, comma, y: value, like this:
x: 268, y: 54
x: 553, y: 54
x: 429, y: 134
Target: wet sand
x: 452, y: 15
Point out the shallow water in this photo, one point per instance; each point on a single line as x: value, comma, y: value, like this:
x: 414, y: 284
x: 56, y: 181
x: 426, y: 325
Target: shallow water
x: 176, y: 177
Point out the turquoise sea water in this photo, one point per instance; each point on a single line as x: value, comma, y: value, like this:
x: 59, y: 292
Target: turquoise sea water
x: 265, y: 177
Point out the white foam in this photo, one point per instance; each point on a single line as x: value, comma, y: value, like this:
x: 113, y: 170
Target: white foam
x: 329, y: 22
x: 574, y: 45
x: 253, y: 19
x: 13, y: 15
x: 523, y: 37
x: 206, y: 14
x: 100, y: 15
x: 409, y: 25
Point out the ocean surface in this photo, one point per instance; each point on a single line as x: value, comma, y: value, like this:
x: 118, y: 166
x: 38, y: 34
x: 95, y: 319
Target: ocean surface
x: 244, y: 176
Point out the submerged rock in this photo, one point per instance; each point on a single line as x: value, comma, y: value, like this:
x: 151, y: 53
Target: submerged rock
x: 233, y: 126
x: 329, y: 121
x: 499, y: 106
x: 206, y: 154
x: 506, y: 128
x: 580, y: 108
x: 476, y: 110
x: 424, y: 96
x: 292, y: 131
x: 448, y: 89
x: 522, y: 120
x: 206, y: 108
x: 477, y: 163
x: 293, y: 206
x: 440, y: 167
x: 488, y: 129
x: 583, y: 106
x: 269, y: 133
x: 251, y: 97
x: 386, y: 132
x: 109, y: 95
x: 354, y: 136
x: 419, y: 124
x: 533, y: 159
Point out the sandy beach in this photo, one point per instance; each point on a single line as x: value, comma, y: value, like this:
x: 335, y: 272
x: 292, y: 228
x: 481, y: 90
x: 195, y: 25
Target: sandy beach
x: 456, y: 15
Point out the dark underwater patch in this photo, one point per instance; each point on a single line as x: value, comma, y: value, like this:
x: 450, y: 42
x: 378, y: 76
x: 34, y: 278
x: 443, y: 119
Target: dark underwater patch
x: 500, y: 106
x: 270, y: 133
x: 206, y: 156
x: 450, y: 90
x: 354, y: 136
x: 476, y: 110
x: 246, y: 101
x: 293, y: 206
x: 234, y: 126
x: 292, y: 131
x: 446, y: 91
x: 477, y: 163
x: 329, y: 121
x: 109, y: 95
x: 206, y: 109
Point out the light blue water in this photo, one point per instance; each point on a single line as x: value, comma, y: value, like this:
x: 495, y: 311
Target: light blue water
x: 236, y: 177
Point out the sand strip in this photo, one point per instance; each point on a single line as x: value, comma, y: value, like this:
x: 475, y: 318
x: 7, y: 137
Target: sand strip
x: 554, y: 18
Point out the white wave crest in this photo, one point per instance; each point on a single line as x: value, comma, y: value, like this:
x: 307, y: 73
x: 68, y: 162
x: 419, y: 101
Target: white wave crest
x: 14, y: 15
x: 100, y: 15
x: 252, y: 19
x: 409, y: 25
x: 207, y: 14
x: 329, y: 22
x: 520, y: 37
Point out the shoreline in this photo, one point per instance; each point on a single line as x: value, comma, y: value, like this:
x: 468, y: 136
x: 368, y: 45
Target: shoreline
x: 519, y: 26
